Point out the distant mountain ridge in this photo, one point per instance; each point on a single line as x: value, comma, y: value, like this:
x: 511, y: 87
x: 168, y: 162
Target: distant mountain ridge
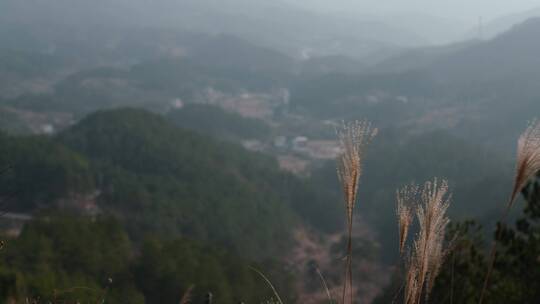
x: 418, y: 58
x: 472, y: 89
x: 278, y: 25
x: 502, y: 24
x: 509, y: 55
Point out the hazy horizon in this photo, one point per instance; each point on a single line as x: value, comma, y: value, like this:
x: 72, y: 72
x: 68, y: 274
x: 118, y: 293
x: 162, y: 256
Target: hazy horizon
x: 390, y: 23
x: 175, y: 151
x: 456, y: 10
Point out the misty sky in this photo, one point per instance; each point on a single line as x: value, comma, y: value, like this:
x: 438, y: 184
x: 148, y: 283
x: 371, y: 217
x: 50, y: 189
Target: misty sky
x: 465, y: 10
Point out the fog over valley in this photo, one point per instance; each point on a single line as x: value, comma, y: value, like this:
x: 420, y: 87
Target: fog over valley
x: 254, y: 151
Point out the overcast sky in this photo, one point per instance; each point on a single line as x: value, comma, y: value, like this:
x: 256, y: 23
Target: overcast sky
x: 466, y: 10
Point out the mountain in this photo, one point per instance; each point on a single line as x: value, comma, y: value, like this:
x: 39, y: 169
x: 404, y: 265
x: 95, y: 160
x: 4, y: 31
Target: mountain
x: 510, y: 53
x: 418, y: 58
x: 470, y: 89
x: 160, y: 179
x: 57, y: 251
x: 43, y: 173
x: 507, y: 56
x: 502, y: 24
x: 493, y: 84
x: 231, y: 52
x: 298, y: 33
x: 434, y: 29
x: 428, y: 28
x: 27, y: 71
x: 212, y: 120
x: 176, y: 181
x: 204, y: 64
x: 336, y: 64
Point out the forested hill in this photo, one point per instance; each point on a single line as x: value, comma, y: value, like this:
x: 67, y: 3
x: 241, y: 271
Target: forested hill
x: 220, y: 124
x: 159, y: 179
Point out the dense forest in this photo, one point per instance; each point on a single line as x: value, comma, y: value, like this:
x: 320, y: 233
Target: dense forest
x: 188, y: 148
x: 145, y: 182
x: 62, y: 258
x: 160, y: 178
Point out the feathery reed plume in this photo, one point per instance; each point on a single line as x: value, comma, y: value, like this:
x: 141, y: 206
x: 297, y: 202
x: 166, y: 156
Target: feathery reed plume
x: 405, y: 198
x: 353, y: 138
x: 428, y: 251
x: 527, y: 165
x: 186, y: 298
x: 528, y: 158
x: 411, y: 281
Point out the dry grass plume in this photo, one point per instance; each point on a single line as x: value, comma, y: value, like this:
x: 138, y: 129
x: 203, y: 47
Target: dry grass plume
x: 527, y: 165
x: 353, y: 138
x: 405, y: 198
x: 425, y: 257
x: 528, y: 159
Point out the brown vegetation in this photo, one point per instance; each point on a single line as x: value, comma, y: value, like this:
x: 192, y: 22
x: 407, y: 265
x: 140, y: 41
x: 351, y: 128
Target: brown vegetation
x: 527, y: 165
x: 353, y: 138
x: 428, y: 251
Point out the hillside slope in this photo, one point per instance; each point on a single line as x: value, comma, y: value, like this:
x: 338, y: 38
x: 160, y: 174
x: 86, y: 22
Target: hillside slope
x: 159, y: 179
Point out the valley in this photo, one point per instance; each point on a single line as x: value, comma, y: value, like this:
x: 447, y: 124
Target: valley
x: 203, y: 143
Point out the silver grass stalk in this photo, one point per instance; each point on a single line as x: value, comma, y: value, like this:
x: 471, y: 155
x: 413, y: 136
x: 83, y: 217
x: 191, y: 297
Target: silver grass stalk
x: 411, y: 281
x: 428, y: 251
x: 353, y: 138
x: 528, y: 158
x: 527, y: 165
x: 405, y: 199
